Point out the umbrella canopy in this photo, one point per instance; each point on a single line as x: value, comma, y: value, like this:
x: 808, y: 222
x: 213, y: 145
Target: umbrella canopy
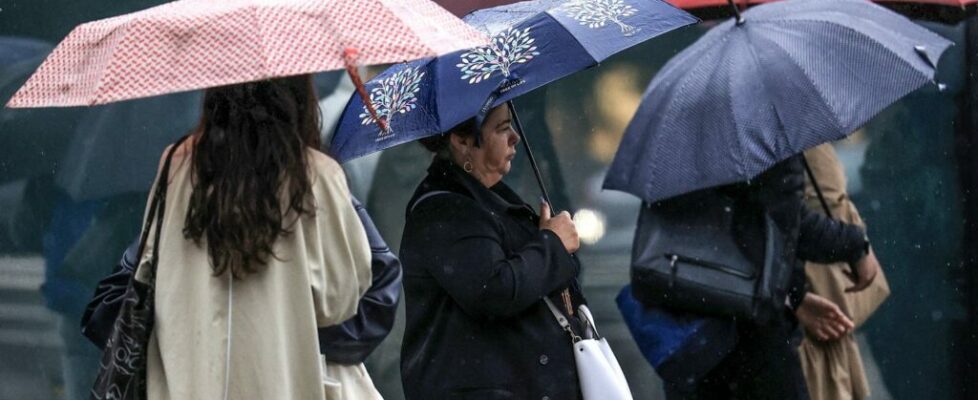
x: 715, y: 3
x: 193, y: 44
x: 533, y: 43
x: 463, y: 7
x: 795, y: 74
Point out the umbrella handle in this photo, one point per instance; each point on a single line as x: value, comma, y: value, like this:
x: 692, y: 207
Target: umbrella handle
x: 349, y: 58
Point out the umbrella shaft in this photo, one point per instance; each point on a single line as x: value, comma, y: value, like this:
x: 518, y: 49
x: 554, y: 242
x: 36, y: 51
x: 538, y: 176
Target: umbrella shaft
x: 529, y: 155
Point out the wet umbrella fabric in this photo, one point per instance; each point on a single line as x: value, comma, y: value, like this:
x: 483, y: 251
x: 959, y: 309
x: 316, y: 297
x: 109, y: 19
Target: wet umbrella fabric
x: 192, y: 44
x: 462, y: 8
x: 796, y: 74
x: 533, y: 43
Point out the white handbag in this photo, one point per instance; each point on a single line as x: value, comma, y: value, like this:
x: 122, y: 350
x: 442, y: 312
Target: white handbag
x: 598, y: 371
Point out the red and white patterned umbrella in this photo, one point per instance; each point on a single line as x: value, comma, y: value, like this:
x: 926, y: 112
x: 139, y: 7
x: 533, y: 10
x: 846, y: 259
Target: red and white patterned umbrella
x: 193, y: 44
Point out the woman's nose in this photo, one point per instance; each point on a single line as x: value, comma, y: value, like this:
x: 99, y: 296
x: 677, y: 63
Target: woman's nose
x: 514, y: 139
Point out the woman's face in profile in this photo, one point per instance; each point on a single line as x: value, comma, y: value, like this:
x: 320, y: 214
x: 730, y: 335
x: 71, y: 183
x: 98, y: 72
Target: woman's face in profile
x: 493, y: 159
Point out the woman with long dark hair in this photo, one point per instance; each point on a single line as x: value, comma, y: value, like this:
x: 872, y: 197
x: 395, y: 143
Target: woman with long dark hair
x: 260, y: 245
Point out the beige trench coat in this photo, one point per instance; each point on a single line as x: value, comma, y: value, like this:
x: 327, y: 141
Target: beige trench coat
x: 834, y: 370
x: 255, y: 338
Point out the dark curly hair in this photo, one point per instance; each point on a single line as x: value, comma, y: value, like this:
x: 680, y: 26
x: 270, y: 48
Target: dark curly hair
x: 438, y: 144
x: 250, y: 169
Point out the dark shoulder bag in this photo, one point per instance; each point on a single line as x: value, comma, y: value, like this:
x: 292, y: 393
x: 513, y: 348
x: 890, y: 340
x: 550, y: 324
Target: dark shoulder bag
x: 122, y: 370
x: 686, y: 257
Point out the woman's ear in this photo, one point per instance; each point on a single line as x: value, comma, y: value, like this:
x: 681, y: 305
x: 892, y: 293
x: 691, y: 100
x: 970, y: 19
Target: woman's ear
x: 459, y: 144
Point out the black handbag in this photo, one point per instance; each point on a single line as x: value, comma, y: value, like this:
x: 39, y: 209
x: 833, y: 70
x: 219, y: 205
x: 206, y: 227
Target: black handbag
x: 686, y: 257
x: 122, y: 369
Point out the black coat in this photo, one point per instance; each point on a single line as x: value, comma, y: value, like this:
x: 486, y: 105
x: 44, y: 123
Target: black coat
x: 476, y: 268
x: 809, y: 235
x: 764, y: 363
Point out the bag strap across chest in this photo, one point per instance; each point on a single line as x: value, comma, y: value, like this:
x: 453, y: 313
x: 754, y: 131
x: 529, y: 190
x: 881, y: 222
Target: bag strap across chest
x: 156, y: 210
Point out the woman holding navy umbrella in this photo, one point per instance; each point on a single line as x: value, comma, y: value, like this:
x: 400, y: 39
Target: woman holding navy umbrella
x: 478, y: 264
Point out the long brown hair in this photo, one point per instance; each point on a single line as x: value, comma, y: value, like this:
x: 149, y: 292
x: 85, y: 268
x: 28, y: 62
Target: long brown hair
x: 249, y: 156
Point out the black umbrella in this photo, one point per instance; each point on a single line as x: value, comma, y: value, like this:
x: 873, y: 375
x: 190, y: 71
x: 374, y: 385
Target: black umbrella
x: 118, y: 146
x: 32, y: 141
x: 758, y: 89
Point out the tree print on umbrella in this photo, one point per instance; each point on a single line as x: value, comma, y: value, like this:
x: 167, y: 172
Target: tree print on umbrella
x: 508, y: 48
x: 597, y: 13
x: 396, y: 94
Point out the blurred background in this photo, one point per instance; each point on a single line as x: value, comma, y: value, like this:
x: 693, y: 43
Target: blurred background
x: 73, y: 185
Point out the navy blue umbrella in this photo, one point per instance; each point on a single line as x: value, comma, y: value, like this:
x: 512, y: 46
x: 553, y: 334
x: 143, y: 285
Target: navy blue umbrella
x: 534, y: 43
x: 750, y: 93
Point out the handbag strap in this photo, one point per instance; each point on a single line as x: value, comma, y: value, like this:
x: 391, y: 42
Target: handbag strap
x: 818, y: 190
x: 156, y: 208
x: 426, y: 196
x: 562, y: 320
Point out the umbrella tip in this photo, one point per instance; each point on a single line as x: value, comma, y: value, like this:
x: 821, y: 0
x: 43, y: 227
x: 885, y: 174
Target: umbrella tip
x: 736, y: 12
x: 922, y: 52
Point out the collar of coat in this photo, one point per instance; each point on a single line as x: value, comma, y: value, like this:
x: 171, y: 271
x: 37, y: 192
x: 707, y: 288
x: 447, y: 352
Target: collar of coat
x: 445, y: 175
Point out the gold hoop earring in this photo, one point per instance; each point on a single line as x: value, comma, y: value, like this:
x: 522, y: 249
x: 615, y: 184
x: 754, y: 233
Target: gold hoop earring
x: 468, y: 167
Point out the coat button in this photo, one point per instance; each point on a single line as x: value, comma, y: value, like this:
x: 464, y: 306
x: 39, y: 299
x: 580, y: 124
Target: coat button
x: 544, y: 359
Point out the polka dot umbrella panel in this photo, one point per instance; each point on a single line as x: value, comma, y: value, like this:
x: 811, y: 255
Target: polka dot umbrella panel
x: 194, y: 44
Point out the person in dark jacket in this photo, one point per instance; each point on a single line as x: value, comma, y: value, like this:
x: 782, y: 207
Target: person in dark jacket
x: 765, y: 364
x: 348, y: 343
x: 353, y: 340
x: 478, y: 262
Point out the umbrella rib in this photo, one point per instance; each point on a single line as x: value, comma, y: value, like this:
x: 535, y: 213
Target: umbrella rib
x: 416, y: 38
x: 96, y: 94
x: 853, y: 30
x: 679, y: 86
x: 838, y: 124
x: 763, y: 82
x: 733, y: 118
x: 576, y: 40
x: 266, y: 74
x: 835, y: 121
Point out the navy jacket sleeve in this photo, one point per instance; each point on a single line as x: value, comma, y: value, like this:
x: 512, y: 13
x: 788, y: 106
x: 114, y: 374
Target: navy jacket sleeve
x: 820, y: 238
x: 465, y: 251
x: 353, y: 340
x: 826, y: 240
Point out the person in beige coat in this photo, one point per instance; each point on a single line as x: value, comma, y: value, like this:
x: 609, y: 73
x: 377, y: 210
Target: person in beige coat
x: 260, y: 245
x: 829, y: 353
